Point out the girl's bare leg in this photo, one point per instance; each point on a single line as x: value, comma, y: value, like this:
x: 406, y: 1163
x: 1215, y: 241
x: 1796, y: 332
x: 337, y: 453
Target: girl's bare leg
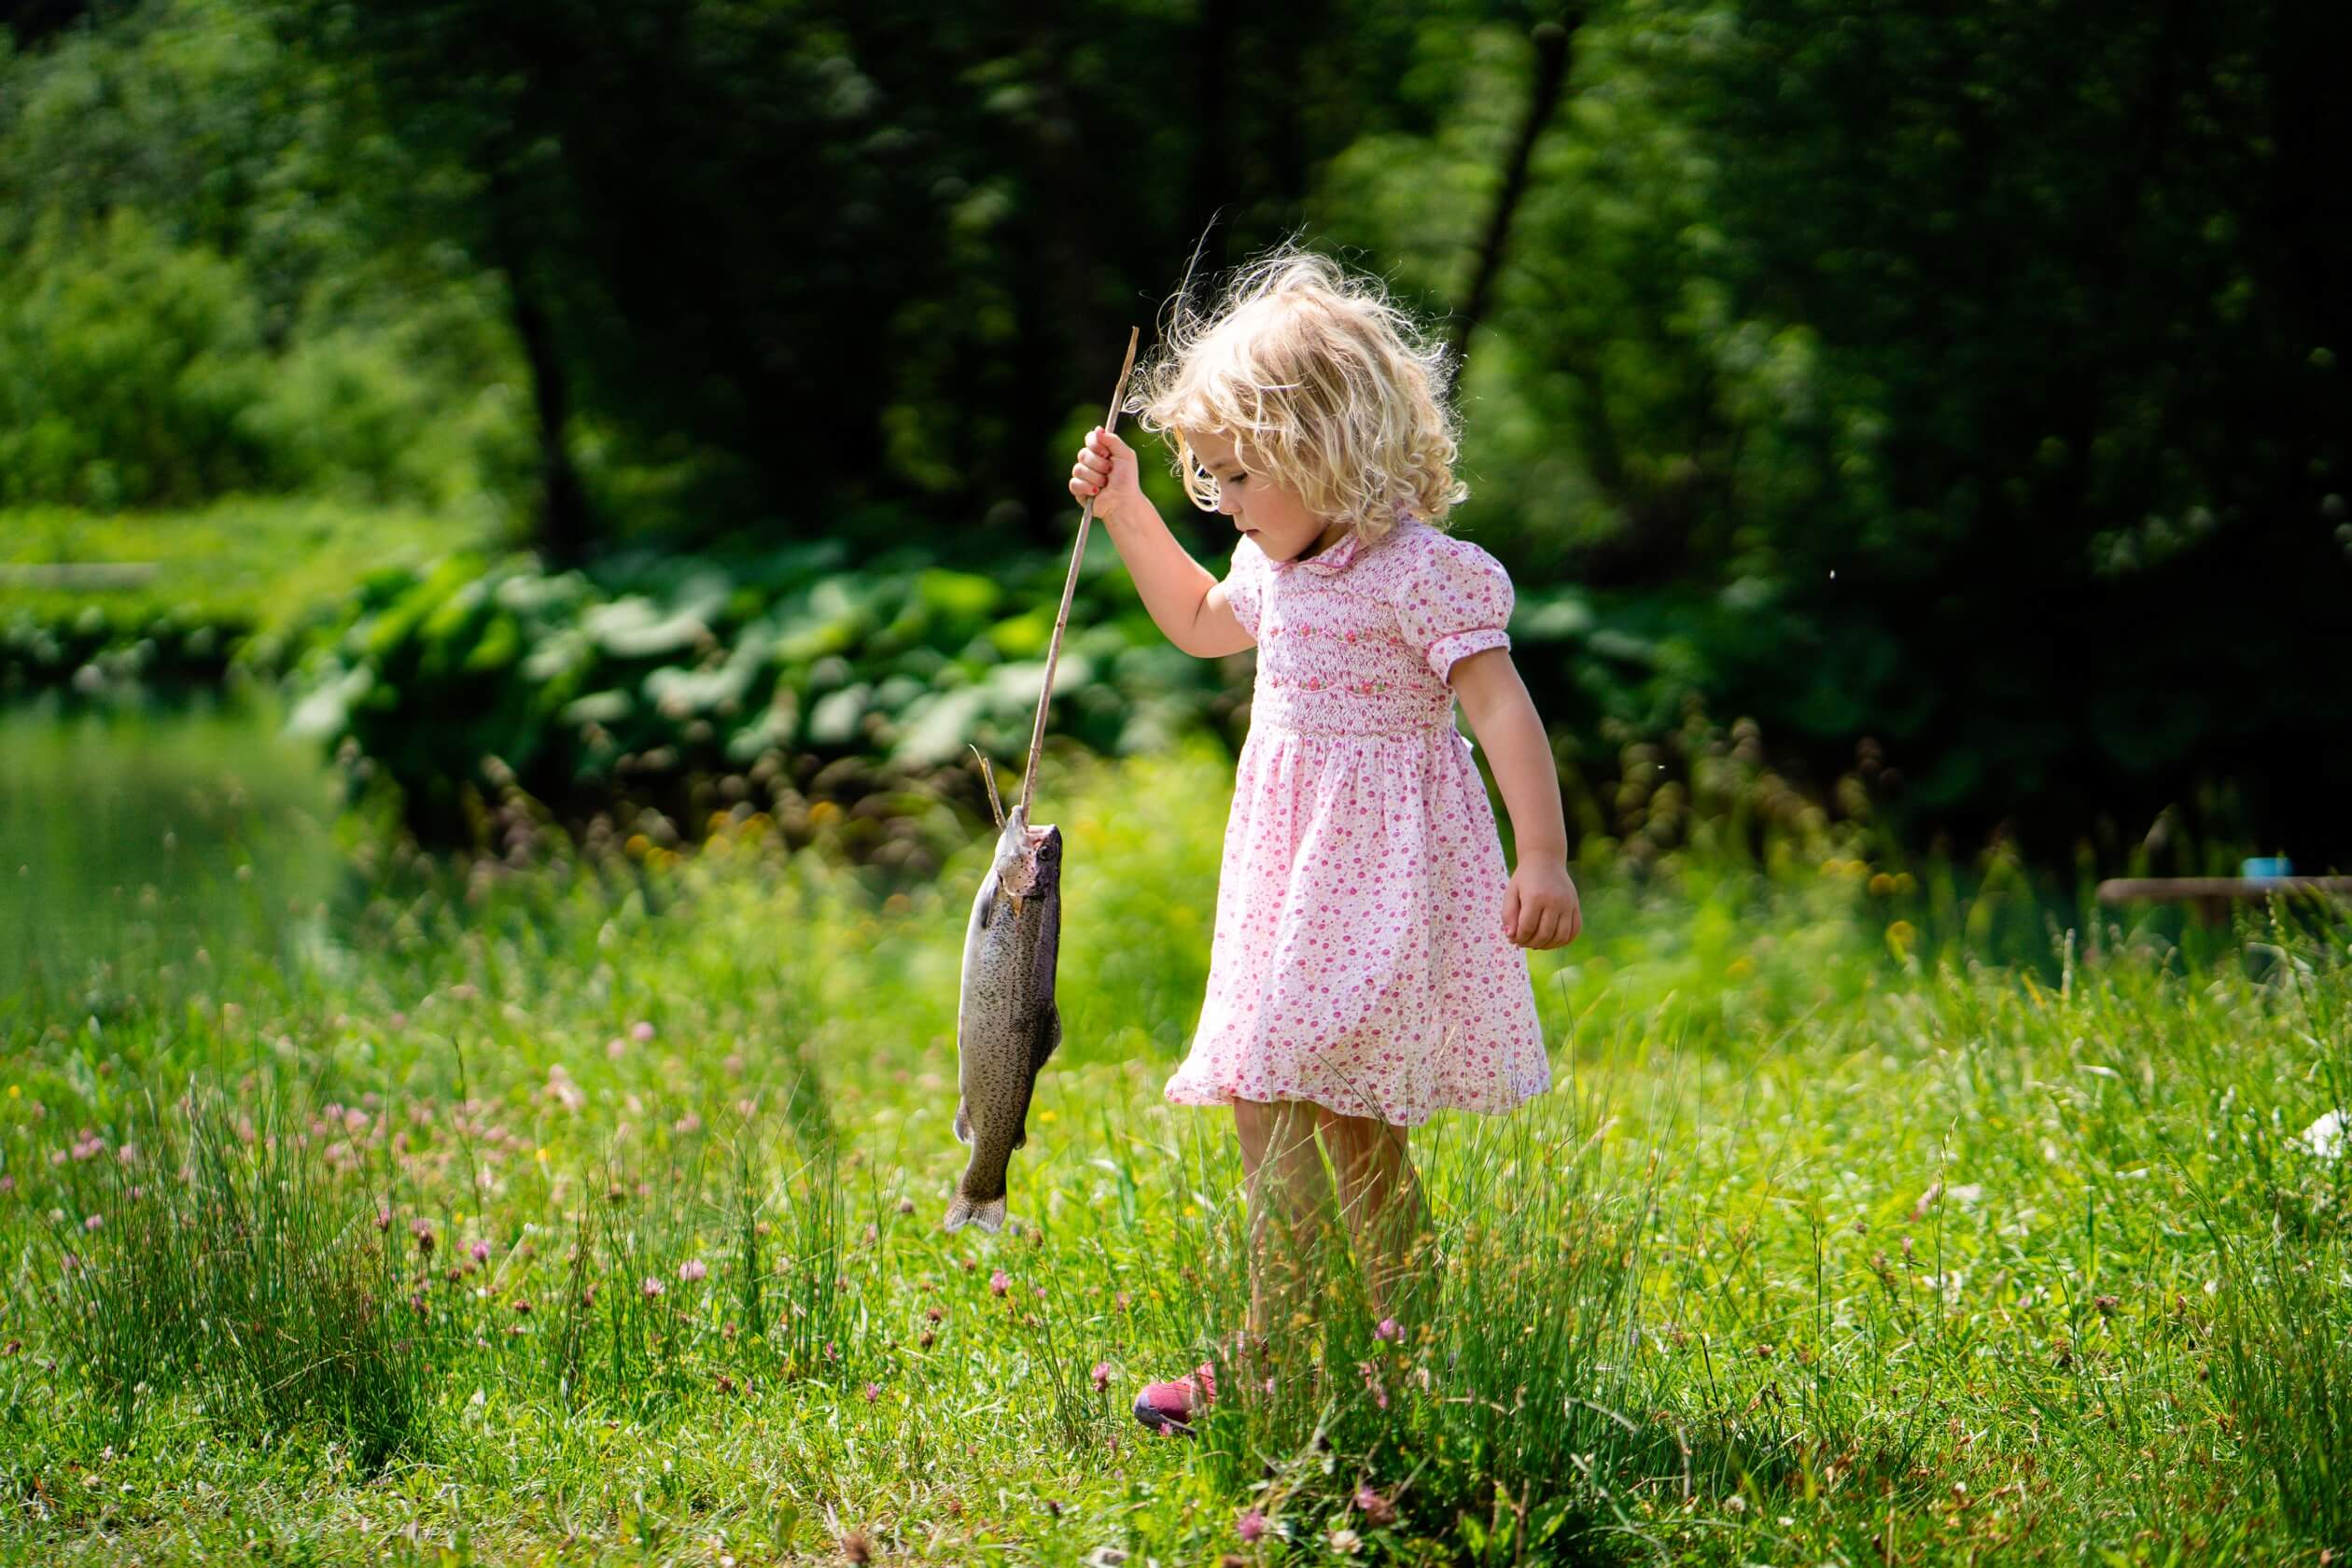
x: 1380, y: 1198
x: 1289, y: 1195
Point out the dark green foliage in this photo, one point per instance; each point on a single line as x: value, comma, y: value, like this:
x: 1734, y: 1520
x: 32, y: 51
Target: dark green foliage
x: 1970, y: 383
x: 1984, y: 367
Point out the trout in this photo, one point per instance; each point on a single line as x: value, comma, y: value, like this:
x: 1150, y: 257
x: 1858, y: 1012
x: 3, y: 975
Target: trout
x: 1006, y: 1023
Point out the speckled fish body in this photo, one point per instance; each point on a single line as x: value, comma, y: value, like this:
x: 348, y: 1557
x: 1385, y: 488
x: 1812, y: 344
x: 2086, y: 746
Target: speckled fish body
x: 1006, y: 1024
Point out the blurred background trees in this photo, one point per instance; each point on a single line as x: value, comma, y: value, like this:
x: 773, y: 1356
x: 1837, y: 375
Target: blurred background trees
x: 1969, y: 382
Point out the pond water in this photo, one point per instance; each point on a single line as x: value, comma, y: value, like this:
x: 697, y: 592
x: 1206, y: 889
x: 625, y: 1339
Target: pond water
x: 138, y: 839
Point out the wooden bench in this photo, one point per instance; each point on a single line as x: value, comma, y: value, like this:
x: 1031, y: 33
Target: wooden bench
x: 2212, y: 896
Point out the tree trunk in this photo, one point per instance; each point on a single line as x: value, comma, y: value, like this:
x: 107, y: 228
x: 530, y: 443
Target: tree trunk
x: 563, y: 520
x: 1543, y: 98
x: 563, y: 531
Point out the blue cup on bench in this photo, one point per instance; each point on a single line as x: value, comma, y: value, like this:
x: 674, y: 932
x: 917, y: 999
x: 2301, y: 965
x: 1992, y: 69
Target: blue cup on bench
x: 2266, y: 867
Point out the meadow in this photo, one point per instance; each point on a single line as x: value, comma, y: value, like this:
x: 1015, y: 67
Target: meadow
x: 582, y: 1202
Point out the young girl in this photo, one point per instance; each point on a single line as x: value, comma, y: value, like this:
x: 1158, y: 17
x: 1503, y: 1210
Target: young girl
x: 1366, y: 967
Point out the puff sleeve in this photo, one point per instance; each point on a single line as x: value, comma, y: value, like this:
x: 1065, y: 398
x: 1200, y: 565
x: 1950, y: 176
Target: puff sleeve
x: 1244, y: 584
x: 1454, y: 602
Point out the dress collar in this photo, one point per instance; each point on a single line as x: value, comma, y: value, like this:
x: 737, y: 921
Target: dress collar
x: 1342, y: 551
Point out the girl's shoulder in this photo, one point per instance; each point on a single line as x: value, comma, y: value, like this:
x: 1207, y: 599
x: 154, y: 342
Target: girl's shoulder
x: 1417, y: 552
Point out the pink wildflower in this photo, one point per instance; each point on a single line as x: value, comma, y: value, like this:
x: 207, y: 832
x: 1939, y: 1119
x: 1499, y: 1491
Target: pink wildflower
x: 692, y: 1270
x: 94, y: 1221
x: 652, y: 1287
x: 1377, y: 1510
x: 641, y: 1032
x: 872, y: 1393
x: 423, y: 1231
x: 1101, y: 1376
x: 998, y: 1282
x: 1250, y: 1527
x: 481, y: 1251
x: 1389, y: 1329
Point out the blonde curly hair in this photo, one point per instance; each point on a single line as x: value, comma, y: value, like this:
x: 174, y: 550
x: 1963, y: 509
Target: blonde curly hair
x: 1326, y: 387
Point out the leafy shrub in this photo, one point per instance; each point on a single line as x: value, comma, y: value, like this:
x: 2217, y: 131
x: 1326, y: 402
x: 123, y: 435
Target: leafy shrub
x: 586, y: 691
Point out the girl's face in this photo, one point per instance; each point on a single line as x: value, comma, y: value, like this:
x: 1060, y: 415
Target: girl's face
x: 1281, y: 523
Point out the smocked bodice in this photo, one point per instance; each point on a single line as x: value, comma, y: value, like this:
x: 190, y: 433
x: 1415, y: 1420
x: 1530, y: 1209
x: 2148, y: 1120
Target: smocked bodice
x: 1358, y: 639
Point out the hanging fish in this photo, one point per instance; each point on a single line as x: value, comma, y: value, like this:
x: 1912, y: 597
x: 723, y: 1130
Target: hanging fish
x: 1006, y: 1023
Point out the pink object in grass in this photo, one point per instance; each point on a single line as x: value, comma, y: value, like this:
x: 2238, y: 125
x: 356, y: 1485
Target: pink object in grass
x: 481, y: 1251
x: 1172, y: 1407
x: 872, y: 1393
x: 653, y: 1287
x: 1389, y: 1329
x: 1250, y: 1527
x: 998, y: 1282
x: 641, y: 1032
x: 1101, y: 1376
x: 692, y: 1270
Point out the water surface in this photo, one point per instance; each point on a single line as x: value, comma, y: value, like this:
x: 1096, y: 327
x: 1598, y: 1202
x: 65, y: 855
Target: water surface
x: 140, y: 841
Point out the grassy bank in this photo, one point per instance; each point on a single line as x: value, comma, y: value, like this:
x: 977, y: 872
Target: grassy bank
x: 179, y: 596
x: 586, y: 1203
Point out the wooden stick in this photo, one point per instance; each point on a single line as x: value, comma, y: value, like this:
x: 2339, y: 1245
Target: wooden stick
x: 987, y: 776
x: 1069, y: 590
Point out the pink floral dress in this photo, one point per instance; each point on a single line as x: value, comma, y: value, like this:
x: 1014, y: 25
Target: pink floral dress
x: 1358, y: 959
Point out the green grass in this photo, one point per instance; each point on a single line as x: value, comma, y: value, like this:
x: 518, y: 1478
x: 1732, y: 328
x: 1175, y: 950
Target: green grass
x: 1836, y: 1242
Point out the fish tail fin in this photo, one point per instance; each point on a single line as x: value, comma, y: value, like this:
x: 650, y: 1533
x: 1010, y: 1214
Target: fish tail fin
x: 988, y: 1216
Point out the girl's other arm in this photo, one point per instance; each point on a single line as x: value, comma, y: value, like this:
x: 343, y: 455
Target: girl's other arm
x: 1541, y: 909
x: 1186, y: 600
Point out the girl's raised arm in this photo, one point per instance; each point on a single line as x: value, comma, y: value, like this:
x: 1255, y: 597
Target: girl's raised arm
x: 1186, y: 600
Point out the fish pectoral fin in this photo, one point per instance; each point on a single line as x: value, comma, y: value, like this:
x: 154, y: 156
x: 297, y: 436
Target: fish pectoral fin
x: 1016, y: 904
x: 1048, y: 1036
x: 963, y: 1121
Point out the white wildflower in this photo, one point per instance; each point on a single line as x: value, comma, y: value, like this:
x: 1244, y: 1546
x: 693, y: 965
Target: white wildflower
x: 2324, y: 1137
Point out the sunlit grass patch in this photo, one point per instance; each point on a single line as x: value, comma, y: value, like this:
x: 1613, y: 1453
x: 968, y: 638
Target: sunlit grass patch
x: 1819, y: 1250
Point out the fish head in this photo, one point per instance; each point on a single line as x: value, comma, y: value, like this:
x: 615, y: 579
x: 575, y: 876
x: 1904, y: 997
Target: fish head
x: 1028, y: 859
